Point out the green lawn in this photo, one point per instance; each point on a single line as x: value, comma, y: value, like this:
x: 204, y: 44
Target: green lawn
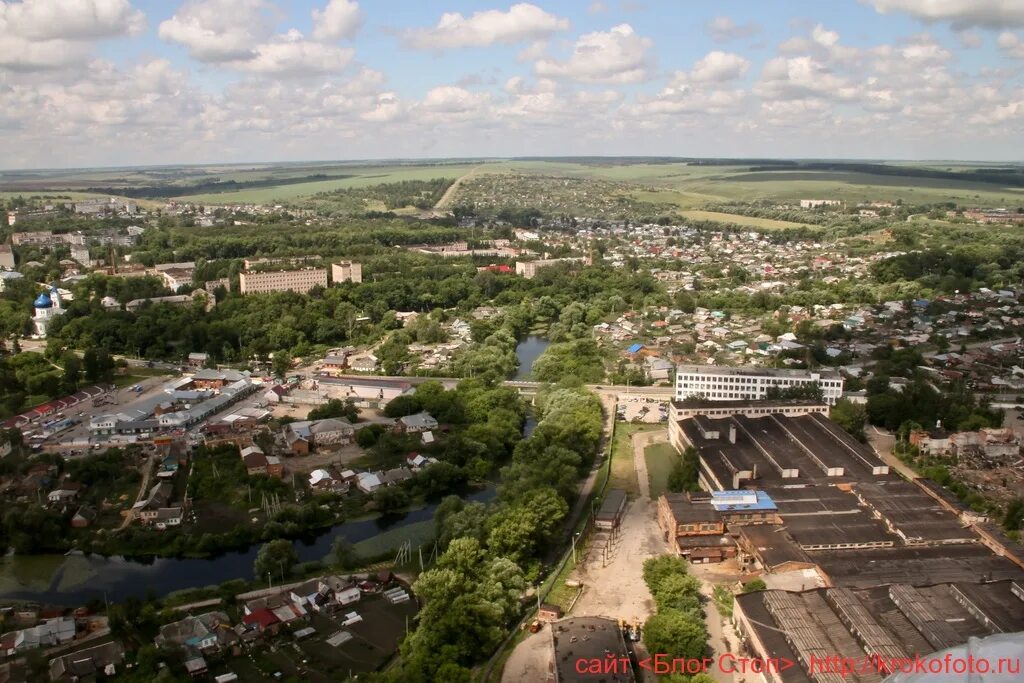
x: 660, y: 458
x: 623, y: 474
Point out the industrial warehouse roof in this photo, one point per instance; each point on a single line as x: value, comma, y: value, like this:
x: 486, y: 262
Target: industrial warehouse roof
x: 895, y: 621
x: 724, y: 501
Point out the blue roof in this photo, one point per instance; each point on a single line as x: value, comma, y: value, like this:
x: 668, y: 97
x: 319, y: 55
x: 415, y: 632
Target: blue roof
x: 634, y: 348
x: 43, y: 301
x: 741, y: 500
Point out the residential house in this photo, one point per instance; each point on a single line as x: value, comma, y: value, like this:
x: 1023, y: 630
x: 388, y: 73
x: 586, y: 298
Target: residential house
x: 86, y: 665
x: 418, y: 422
x: 395, y: 476
x: 83, y: 517
x: 366, y: 362
x: 65, y: 492
x: 368, y: 482
x: 255, y: 460
x: 332, y: 432
x: 168, y: 517
x: 159, y: 497
x: 335, y: 364
x: 297, y: 438
x: 198, y: 360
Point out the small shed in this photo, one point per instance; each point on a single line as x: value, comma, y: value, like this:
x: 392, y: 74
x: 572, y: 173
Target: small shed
x: 548, y: 612
x: 609, y: 516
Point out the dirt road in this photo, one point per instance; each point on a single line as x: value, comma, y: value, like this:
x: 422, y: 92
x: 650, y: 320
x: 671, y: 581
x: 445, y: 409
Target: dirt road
x: 446, y: 199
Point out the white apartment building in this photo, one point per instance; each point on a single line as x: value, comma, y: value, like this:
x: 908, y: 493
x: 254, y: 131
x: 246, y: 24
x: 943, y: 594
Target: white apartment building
x: 818, y: 203
x: 528, y: 269
x: 734, y: 384
x: 346, y: 271
x: 282, y: 281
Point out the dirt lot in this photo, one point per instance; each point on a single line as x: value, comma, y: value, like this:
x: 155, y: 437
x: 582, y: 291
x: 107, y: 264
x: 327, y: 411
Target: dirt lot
x: 612, y: 567
x: 304, y: 464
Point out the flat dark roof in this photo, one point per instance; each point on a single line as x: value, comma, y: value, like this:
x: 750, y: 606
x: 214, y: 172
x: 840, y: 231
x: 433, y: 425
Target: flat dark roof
x: 685, y: 510
x: 921, y: 564
x: 588, y: 638
x: 612, y: 505
x: 772, y: 543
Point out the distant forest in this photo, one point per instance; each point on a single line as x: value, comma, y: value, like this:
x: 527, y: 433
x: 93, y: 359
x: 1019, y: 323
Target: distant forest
x: 166, y: 191
x: 1013, y: 177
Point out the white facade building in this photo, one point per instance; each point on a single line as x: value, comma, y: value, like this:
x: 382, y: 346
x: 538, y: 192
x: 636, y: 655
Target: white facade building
x: 346, y: 271
x: 300, y: 281
x: 733, y: 384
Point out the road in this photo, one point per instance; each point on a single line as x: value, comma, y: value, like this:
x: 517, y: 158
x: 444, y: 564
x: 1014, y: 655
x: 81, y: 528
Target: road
x: 144, y: 487
x: 446, y: 198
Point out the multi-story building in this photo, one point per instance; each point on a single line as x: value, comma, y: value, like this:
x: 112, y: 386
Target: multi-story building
x: 80, y: 253
x: 717, y: 383
x: 176, y: 278
x: 282, y: 281
x: 346, y: 271
x: 37, y: 238
x: 528, y: 269
x: 16, y: 217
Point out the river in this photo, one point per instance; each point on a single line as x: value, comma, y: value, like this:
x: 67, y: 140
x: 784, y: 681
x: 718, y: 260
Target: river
x: 75, y: 579
x: 527, y: 351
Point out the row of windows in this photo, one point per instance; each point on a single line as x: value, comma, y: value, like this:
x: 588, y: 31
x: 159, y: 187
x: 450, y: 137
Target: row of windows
x: 690, y: 379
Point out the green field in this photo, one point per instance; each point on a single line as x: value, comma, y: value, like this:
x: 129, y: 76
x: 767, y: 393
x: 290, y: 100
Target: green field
x: 660, y: 458
x: 677, y: 185
x: 364, y: 176
x: 689, y: 187
x: 752, y: 221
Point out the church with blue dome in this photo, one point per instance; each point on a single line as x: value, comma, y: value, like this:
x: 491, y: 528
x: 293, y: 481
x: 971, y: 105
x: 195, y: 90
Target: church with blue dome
x: 47, y: 306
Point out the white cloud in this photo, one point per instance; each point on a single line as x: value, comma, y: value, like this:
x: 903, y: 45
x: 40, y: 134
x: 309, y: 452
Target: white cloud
x: 70, y: 19
x: 723, y: 29
x: 969, y: 39
x: 522, y: 22
x: 960, y: 13
x: 340, y: 19
x: 49, y: 34
x: 20, y: 54
x: 798, y: 78
x: 597, y: 7
x: 218, y: 30
x: 238, y: 34
x: 388, y: 108
x: 1011, y: 44
x: 718, y: 66
x: 292, y: 54
x: 615, y: 56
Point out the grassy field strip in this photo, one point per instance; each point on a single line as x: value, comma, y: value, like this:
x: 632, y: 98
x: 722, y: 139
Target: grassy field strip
x: 751, y: 221
x: 361, y: 177
x: 660, y: 458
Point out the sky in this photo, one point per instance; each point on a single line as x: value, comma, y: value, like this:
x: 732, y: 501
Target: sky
x: 139, y: 82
